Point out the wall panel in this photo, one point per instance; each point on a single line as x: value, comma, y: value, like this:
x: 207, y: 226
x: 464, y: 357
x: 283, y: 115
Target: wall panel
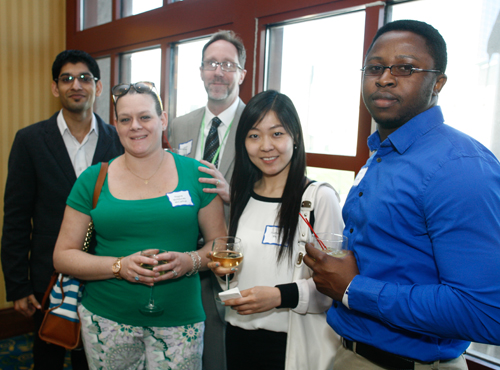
x: 32, y: 33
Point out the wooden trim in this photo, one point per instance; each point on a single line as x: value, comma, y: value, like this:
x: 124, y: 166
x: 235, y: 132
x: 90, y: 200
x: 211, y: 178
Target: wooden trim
x: 14, y: 324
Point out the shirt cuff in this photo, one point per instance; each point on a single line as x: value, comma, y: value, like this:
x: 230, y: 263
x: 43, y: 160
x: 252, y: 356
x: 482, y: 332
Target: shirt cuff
x: 289, y: 295
x: 345, y: 297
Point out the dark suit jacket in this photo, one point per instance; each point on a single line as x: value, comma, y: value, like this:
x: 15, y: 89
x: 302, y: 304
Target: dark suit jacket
x: 40, y: 179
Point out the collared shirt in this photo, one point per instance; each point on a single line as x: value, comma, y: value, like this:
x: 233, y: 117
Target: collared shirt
x: 226, y: 117
x: 423, y: 220
x: 81, y: 154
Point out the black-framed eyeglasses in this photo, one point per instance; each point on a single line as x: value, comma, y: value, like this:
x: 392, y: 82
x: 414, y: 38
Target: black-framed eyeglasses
x: 396, y: 70
x: 141, y: 87
x: 211, y: 65
x: 84, y: 78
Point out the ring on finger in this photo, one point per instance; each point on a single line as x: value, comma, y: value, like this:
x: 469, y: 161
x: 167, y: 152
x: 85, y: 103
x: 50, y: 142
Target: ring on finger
x: 175, y: 273
x: 217, y: 183
x: 136, y: 278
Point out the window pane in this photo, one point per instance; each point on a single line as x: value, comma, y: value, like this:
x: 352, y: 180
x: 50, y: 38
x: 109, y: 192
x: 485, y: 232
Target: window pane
x: 133, y: 7
x: 322, y: 78
x: 190, y: 91
x: 95, y: 12
x: 141, y: 66
x: 101, y: 105
x: 340, y: 180
x: 470, y: 97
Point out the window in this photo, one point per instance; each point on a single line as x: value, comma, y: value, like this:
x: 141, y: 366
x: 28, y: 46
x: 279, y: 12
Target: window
x: 340, y: 180
x: 470, y: 97
x: 102, y: 103
x: 323, y: 84
x: 95, y: 12
x: 133, y: 7
x: 141, y: 66
x: 190, y: 93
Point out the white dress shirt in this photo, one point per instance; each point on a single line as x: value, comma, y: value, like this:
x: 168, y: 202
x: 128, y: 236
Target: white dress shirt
x: 81, y: 154
x: 226, y: 118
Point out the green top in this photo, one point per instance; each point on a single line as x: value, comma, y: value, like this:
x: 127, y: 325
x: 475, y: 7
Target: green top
x: 123, y: 227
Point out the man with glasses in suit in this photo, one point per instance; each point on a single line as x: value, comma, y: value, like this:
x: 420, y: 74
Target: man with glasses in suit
x: 207, y: 134
x: 45, y: 160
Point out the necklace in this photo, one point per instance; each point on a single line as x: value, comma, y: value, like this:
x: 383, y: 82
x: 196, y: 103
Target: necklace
x: 146, y: 181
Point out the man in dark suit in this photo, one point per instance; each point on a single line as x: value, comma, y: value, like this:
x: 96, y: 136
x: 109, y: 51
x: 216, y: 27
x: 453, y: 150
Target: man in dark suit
x: 45, y: 160
x: 207, y: 134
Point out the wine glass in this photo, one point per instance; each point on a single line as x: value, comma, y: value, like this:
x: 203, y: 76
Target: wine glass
x: 152, y: 309
x: 334, y: 245
x: 227, y: 251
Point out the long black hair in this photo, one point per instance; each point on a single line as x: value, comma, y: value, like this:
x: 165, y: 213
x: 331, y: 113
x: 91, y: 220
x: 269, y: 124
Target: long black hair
x: 246, y: 173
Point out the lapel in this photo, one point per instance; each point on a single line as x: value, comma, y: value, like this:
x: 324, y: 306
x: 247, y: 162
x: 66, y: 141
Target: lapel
x: 188, y: 133
x: 55, y: 144
x: 229, y: 151
x: 103, y: 141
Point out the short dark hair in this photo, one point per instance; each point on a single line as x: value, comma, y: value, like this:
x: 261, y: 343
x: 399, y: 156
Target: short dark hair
x: 246, y: 173
x: 74, y: 57
x: 231, y: 37
x: 433, y: 39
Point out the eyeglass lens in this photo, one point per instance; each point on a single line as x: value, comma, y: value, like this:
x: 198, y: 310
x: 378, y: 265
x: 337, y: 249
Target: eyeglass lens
x: 225, y: 66
x: 82, y: 78
x: 396, y: 69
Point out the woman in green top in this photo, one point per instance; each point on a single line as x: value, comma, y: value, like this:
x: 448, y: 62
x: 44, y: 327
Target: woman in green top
x: 150, y: 199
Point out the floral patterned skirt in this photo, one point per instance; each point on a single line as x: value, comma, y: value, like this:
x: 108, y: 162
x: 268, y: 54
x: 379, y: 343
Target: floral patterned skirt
x: 111, y: 345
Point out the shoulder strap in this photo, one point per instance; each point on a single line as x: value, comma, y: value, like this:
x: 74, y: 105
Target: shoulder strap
x: 307, y: 206
x: 99, y: 183
x: 53, y: 280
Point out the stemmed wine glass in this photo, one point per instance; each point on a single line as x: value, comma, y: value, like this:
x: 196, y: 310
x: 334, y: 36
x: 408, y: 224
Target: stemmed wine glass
x: 151, y: 309
x: 227, y: 251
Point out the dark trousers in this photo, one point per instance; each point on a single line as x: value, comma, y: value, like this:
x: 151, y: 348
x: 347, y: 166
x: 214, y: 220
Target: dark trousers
x: 214, y: 351
x: 48, y: 356
x: 255, y: 349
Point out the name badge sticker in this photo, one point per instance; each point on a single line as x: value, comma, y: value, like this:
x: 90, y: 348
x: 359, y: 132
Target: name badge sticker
x: 187, y: 147
x: 271, y: 234
x: 360, y: 176
x: 180, y: 198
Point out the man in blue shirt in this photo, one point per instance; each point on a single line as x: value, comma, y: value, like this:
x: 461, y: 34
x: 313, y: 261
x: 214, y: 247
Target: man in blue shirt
x: 422, y: 219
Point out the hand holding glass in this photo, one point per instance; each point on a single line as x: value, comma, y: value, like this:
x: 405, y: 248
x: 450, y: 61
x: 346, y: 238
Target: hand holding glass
x: 151, y: 309
x: 336, y: 244
x: 227, y: 251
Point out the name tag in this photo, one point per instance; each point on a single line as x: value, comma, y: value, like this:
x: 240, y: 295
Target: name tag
x: 180, y: 198
x: 271, y: 234
x: 186, y: 147
x: 360, y: 176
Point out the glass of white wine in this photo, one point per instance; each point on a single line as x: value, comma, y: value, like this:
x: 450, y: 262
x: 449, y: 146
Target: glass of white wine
x: 152, y: 309
x: 227, y: 251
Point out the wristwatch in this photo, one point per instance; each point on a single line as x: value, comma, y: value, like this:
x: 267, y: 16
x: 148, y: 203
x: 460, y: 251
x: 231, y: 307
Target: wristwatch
x: 117, y: 266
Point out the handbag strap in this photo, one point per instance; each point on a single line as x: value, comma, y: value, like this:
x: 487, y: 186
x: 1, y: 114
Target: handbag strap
x: 99, y: 183
x: 307, y: 206
x: 97, y: 191
x: 53, y: 280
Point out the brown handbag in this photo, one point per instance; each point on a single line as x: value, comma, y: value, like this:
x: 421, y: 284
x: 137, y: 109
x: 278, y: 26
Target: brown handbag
x: 61, y: 324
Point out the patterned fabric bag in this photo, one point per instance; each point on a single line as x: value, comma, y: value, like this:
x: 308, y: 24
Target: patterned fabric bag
x: 61, y: 324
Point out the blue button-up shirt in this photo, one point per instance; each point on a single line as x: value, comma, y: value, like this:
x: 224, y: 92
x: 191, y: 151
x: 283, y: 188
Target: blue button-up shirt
x: 423, y: 220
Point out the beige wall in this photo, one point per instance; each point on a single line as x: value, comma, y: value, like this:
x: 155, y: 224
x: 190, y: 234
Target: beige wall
x: 32, y: 33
